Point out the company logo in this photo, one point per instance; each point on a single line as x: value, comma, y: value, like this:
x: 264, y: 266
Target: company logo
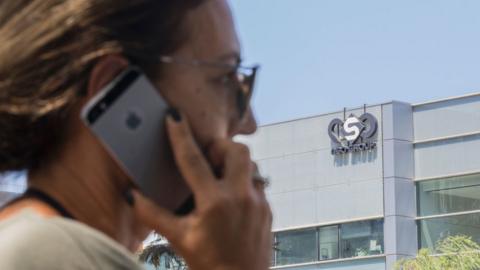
x: 355, y: 134
x: 133, y: 120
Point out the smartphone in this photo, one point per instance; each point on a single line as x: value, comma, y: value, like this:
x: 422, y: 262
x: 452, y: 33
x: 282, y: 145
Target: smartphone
x: 128, y: 117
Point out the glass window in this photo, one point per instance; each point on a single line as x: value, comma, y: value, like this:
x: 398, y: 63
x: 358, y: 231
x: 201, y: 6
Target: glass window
x: 328, y: 238
x: 432, y: 230
x: 274, y: 249
x: 296, y: 247
x: 443, y: 196
x: 362, y: 238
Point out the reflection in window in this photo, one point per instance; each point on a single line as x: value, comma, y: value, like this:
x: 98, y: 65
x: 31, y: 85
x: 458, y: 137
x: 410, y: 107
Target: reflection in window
x: 274, y: 249
x: 328, y: 238
x: 361, y: 238
x: 450, y: 195
x: 332, y: 242
x: 296, y: 247
x: 435, y: 229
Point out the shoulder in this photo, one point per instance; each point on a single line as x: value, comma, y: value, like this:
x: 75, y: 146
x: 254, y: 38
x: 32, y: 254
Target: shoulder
x: 30, y: 241
x: 101, y: 250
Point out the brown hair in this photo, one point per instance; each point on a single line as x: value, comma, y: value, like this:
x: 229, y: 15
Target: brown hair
x: 47, y: 50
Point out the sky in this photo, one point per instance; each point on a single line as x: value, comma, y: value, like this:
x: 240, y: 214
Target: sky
x: 319, y: 56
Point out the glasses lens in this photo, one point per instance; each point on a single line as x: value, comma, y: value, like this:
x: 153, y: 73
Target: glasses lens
x: 246, y: 78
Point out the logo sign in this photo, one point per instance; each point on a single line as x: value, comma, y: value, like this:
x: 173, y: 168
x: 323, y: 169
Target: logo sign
x: 355, y: 134
x: 133, y: 120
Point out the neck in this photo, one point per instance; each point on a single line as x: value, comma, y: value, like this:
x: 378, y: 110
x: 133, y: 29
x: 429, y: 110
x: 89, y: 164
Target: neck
x: 92, y: 195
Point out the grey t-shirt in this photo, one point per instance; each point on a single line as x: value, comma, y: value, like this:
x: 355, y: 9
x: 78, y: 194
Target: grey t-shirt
x: 29, y: 241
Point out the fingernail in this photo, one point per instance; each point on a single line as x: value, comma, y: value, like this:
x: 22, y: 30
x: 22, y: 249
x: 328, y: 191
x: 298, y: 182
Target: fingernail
x: 174, y: 114
x: 128, y: 195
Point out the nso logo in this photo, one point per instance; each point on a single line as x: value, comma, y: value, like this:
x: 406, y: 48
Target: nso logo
x: 355, y: 134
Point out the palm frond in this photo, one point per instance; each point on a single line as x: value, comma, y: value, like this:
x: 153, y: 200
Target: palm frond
x: 160, y: 249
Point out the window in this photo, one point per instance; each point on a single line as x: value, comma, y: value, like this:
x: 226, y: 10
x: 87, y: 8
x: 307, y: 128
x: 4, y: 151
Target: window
x: 328, y: 238
x: 332, y: 242
x: 432, y: 230
x: 443, y: 196
x: 362, y: 238
x: 296, y: 247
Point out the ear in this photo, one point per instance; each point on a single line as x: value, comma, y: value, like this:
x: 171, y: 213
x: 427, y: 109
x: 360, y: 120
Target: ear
x: 104, y: 72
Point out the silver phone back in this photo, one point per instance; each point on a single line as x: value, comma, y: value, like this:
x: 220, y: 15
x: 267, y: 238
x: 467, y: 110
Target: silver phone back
x: 132, y: 128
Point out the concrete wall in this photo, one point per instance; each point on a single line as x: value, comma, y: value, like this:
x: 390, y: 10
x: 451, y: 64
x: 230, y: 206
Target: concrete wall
x: 447, y: 143
x: 309, y: 184
x: 447, y: 118
x: 458, y: 119
x: 400, y: 230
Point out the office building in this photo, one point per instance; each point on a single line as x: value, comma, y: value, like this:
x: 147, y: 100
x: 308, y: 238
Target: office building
x: 359, y: 189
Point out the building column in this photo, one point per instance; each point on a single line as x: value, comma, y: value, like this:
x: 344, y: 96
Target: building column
x: 400, y: 228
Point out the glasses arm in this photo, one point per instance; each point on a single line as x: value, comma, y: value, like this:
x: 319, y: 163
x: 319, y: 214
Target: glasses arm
x: 200, y: 63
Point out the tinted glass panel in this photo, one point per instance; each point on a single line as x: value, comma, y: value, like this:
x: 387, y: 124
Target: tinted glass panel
x: 296, y: 247
x: 450, y: 195
x: 274, y: 249
x: 432, y: 230
x: 328, y: 243
x: 361, y: 238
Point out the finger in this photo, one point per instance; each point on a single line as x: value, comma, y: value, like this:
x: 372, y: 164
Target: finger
x: 216, y: 154
x: 260, y: 193
x: 259, y: 182
x: 190, y: 160
x: 268, y: 218
x: 238, y: 167
x: 157, y: 218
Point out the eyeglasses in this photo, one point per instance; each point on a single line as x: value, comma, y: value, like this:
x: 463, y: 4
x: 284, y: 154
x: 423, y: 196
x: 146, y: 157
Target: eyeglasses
x: 242, y: 83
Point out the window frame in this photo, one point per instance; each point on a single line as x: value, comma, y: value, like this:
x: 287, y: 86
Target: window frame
x: 339, y: 239
x: 445, y: 179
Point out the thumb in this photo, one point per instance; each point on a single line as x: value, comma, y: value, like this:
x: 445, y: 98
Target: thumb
x: 157, y: 218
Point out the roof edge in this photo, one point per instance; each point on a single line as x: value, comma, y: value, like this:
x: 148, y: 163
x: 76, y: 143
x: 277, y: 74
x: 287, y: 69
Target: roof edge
x: 475, y: 94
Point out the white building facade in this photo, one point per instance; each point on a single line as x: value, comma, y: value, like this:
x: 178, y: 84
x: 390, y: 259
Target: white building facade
x: 359, y: 189
x: 365, y: 203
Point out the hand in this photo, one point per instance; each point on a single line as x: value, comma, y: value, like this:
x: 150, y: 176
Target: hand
x: 230, y: 228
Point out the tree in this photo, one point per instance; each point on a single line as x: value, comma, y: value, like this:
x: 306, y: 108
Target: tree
x: 451, y: 253
x: 161, y: 256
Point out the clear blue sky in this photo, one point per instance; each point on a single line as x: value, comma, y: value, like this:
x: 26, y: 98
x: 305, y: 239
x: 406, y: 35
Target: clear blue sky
x: 319, y: 56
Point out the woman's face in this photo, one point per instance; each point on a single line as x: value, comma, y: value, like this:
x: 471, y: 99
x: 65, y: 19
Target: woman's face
x: 198, y: 91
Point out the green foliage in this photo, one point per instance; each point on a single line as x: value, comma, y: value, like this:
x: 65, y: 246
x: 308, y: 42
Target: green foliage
x: 451, y: 253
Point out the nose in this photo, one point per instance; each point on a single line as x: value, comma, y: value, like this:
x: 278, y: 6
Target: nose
x: 248, y: 125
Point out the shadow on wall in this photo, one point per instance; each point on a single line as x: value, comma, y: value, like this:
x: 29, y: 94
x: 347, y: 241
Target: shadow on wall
x: 356, y: 158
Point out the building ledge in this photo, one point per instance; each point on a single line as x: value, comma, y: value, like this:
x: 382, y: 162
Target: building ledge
x: 329, y: 261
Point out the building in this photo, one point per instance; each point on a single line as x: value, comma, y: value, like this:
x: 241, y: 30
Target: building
x: 359, y: 189
x: 10, y: 186
x: 362, y: 188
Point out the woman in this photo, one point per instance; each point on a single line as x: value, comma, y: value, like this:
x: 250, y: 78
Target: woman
x: 81, y: 211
